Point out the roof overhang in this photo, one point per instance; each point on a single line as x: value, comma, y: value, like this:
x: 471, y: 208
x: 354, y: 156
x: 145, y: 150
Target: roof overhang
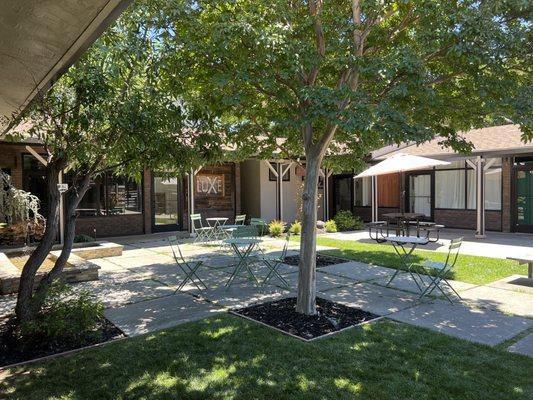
x: 39, y: 40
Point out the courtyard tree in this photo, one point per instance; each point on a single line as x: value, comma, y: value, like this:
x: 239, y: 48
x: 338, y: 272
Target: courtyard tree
x: 314, y: 77
x: 107, y: 113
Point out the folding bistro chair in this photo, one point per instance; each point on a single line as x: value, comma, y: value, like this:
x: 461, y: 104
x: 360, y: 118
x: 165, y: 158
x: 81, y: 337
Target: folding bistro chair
x: 274, y: 262
x: 239, y: 221
x: 189, y: 268
x: 261, y: 225
x: 203, y: 233
x: 438, y: 271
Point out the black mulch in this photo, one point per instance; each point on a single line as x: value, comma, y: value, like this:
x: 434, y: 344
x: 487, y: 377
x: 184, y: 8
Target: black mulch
x: 14, y: 350
x: 322, y: 260
x: 330, y: 317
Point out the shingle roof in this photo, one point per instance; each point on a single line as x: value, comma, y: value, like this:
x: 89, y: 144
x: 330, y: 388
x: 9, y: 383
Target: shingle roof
x: 503, y: 138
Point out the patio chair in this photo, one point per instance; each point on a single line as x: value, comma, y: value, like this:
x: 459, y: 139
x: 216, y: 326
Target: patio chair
x: 203, y: 233
x: 438, y: 271
x: 188, y: 267
x: 239, y: 221
x: 261, y: 225
x: 273, y: 263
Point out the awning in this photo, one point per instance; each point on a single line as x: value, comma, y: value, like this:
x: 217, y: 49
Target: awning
x: 401, y: 163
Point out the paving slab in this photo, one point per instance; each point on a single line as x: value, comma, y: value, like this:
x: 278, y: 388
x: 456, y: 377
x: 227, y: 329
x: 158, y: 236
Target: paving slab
x: 515, y: 283
x: 464, y: 322
x: 358, y: 271
x: 523, y: 346
x: 506, y: 301
x: 113, y: 294
x: 242, y: 294
x: 323, y: 281
x: 404, y: 281
x: 148, y: 316
x: 372, y: 298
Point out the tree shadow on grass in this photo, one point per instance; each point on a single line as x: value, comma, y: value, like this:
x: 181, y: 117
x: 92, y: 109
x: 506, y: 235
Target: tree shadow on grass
x: 229, y: 358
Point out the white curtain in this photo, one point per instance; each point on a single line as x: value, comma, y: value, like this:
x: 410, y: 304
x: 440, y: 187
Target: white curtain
x: 420, y: 194
x: 450, y: 189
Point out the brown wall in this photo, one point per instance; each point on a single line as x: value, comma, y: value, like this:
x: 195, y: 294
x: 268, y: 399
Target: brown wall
x: 112, y: 225
x: 365, y: 213
x: 389, y: 190
x: 467, y: 219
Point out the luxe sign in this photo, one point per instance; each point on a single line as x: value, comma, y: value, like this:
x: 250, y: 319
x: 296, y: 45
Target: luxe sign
x: 210, y: 185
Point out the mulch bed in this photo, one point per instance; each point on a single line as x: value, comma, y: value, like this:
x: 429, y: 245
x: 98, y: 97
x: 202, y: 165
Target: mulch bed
x: 13, y: 351
x: 330, y: 317
x: 322, y: 260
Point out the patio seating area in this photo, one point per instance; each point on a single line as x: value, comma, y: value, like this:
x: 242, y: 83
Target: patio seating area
x: 145, y: 290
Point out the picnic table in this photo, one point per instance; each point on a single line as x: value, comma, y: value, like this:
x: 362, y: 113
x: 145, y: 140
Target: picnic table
x: 404, y: 247
x: 527, y: 259
x: 402, y: 220
x: 243, y: 249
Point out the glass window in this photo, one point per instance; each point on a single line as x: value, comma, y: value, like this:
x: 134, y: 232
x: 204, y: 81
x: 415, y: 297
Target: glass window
x: 493, y: 189
x: 111, y: 195
x: 450, y: 189
x: 363, y: 192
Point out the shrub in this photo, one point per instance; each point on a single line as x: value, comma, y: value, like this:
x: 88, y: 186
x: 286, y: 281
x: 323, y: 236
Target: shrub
x: 346, y: 221
x: 296, y: 228
x: 276, y: 228
x: 83, y: 239
x: 64, y: 316
x: 330, y: 226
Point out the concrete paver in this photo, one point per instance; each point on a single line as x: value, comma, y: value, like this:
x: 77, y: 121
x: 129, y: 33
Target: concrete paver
x: 523, y: 346
x: 459, y: 320
x: 372, y: 298
x: 148, y: 316
x: 358, y: 271
x: 506, y: 301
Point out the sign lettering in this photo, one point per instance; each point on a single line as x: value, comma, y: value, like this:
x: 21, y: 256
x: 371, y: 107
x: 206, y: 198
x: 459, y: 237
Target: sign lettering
x: 210, y: 185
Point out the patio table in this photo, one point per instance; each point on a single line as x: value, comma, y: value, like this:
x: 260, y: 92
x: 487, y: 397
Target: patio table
x: 526, y: 259
x: 400, y: 243
x: 243, y: 248
x: 217, y: 224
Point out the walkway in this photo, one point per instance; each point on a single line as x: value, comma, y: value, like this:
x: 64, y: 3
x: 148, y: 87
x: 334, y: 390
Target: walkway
x: 496, y: 244
x: 138, y: 287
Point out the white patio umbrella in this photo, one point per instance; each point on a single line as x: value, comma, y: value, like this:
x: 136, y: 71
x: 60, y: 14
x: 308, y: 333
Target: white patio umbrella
x: 395, y: 164
x: 400, y: 163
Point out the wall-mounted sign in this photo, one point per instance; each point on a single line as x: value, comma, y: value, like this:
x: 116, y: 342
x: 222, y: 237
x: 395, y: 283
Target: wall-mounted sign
x: 210, y: 185
x: 62, y: 187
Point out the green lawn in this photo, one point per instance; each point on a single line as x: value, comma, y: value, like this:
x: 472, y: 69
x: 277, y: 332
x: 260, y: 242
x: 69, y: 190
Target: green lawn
x: 229, y: 358
x: 471, y: 269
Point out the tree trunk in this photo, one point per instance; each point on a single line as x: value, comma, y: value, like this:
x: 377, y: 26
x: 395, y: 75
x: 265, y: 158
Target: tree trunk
x: 73, y: 200
x: 306, y: 302
x: 27, y: 277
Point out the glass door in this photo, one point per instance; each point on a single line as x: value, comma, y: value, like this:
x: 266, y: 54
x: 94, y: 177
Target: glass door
x: 167, y: 205
x: 342, y: 193
x: 524, y: 199
x: 420, y: 194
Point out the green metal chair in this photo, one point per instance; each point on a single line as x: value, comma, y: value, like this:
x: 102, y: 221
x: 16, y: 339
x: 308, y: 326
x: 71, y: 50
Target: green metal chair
x: 239, y: 221
x: 188, y: 267
x: 273, y: 263
x: 262, y: 226
x: 439, y: 271
x: 203, y: 233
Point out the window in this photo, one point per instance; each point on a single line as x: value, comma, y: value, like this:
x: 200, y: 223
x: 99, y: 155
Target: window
x: 450, y: 188
x: 493, y: 189
x: 272, y: 177
x: 111, y: 195
x: 363, y: 192
x: 455, y: 186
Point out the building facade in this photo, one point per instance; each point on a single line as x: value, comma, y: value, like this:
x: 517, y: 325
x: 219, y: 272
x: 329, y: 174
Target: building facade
x: 448, y: 194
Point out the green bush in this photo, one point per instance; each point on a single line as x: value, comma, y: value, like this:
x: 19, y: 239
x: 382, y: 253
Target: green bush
x: 64, y: 316
x: 276, y: 228
x: 83, y: 239
x: 296, y: 228
x: 330, y: 226
x: 346, y: 221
